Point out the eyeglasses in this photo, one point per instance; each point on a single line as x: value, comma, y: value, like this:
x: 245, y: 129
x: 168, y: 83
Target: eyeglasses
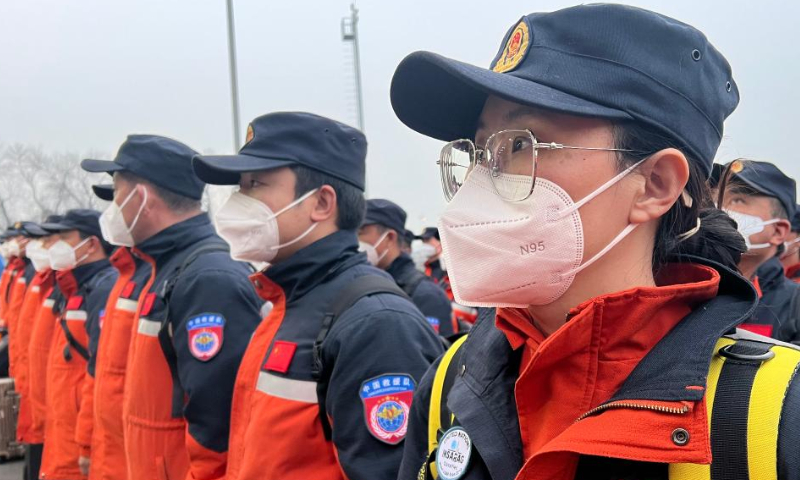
x: 510, y: 156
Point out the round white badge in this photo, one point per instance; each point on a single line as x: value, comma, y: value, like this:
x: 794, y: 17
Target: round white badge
x: 452, y: 457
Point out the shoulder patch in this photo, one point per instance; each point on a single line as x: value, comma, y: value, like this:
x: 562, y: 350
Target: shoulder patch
x: 435, y: 323
x: 102, y: 317
x: 387, y: 403
x: 206, y: 332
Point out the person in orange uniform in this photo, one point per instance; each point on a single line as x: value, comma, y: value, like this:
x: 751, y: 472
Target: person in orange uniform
x: 195, y: 316
x: 329, y: 395
x: 85, y: 278
x: 42, y: 328
x: 575, y: 171
x: 99, y: 431
x: 19, y: 277
x: 790, y: 258
x: 39, y: 287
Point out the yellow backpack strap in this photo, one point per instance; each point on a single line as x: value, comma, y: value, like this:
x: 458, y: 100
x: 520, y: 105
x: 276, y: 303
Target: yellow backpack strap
x: 442, y: 381
x: 746, y: 387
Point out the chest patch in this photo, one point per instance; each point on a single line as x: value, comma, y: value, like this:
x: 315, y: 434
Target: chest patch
x: 453, y: 454
x: 387, y: 402
x: 206, y: 332
x: 281, y: 356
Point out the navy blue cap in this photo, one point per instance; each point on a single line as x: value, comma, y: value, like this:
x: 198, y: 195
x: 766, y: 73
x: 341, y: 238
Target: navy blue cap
x: 104, y: 191
x: 385, y: 213
x: 796, y: 219
x: 83, y: 220
x: 163, y: 161
x: 430, y: 232
x: 602, y: 60
x: 29, y: 229
x: 53, y: 219
x: 284, y: 139
x: 769, y: 180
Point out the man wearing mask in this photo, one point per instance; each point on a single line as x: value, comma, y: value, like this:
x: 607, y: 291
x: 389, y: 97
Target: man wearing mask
x: 762, y: 199
x: 43, y: 326
x: 18, y: 273
x: 85, y: 277
x: 790, y: 258
x: 40, y: 286
x: 196, y: 313
x: 381, y: 236
x: 328, y: 378
x: 100, y: 431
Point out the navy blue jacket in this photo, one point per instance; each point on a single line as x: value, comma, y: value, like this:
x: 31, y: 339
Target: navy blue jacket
x: 380, y: 336
x: 483, y: 401
x: 779, y: 306
x: 95, y: 282
x: 427, y: 296
x: 212, y: 284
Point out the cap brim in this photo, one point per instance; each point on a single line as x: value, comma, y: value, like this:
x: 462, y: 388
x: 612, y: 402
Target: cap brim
x: 56, y: 227
x: 104, y: 192
x: 226, y: 169
x: 36, y: 230
x: 100, y: 166
x: 443, y: 98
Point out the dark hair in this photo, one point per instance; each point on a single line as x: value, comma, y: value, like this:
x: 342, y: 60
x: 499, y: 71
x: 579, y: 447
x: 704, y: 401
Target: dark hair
x: 717, y: 239
x: 107, y: 247
x: 175, y: 202
x: 736, y: 186
x: 350, y: 203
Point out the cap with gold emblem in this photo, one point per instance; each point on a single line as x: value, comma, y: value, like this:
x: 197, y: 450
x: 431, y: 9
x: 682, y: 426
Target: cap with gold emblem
x: 602, y: 60
x: 285, y: 139
x: 768, y: 180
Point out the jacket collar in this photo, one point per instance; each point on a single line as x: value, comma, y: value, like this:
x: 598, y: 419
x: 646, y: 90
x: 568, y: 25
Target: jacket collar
x: 770, y: 274
x: 163, y: 245
x: 400, y: 265
x: 312, y: 265
x: 84, y: 273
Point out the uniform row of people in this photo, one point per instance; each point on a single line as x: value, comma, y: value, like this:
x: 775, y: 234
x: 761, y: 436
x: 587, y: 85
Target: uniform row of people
x: 632, y: 315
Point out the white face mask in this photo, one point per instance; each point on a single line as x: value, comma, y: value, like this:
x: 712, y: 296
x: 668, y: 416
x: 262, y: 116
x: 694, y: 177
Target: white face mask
x: 422, y: 252
x: 749, y: 225
x: 4, y: 251
x: 62, y: 255
x: 38, y: 255
x: 503, y: 254
x: 14, y: 249
x: 251, y: 228
x: 372, y: 250
x: 112, y: 223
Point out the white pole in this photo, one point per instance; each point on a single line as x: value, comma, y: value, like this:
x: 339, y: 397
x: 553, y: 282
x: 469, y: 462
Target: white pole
x: 237, y: 138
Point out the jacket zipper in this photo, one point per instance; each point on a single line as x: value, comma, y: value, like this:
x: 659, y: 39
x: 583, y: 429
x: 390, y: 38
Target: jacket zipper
x: 637, y: 406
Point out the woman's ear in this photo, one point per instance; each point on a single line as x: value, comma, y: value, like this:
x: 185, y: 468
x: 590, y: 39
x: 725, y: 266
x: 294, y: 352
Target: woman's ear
x: 665, y: 176
x: 325, y: 206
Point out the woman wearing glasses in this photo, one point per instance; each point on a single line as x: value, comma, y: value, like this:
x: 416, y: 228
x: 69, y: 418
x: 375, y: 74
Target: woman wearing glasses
x: 576, y: 178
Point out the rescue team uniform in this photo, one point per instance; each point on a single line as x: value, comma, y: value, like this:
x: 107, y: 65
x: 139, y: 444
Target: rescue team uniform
x: 793, y: 273
x: 39, y: 288
x: 85, y: 290
x: 18, y: 284
x: 778, y: 312
x: 105, y: 440
x: 618, y: 392
x: 212, y: 313
x: 426, y: 295
x: 38, y: 354
x: 376, y: 352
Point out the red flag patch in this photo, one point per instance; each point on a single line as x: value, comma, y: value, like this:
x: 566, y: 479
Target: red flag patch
x: 281, y: 356
x: 74, y: 303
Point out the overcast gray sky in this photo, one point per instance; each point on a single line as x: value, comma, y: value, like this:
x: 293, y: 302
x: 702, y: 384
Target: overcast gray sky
x: 81, y: 75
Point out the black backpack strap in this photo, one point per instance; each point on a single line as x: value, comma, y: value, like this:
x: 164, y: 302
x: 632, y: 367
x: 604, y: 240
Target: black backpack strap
x: 165, y: 333
x: 411, y: 280
x: 72, y: 343
x: 357, y: 289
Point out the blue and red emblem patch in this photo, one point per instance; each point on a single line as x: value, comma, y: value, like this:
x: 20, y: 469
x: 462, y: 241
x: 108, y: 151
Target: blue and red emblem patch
x: 205, y: 335
x: 387, y: 402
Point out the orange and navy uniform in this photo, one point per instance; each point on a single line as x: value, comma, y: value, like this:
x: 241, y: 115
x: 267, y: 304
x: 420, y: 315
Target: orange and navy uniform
x: 39, y: 288
x: 463, y: 317
x: 12, y: 269
x: 18, y: 285
x: 381, y: 343
x: 431, y: 300
x: 38, y: 354
x: 778, y: 312
x: 85, y: 290
x: 103, y: 435
x: 594, y: 400
x: 213, y: 311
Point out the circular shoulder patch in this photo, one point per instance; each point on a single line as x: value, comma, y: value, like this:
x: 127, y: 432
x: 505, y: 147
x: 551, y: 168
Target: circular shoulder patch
x: 453, y: 454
